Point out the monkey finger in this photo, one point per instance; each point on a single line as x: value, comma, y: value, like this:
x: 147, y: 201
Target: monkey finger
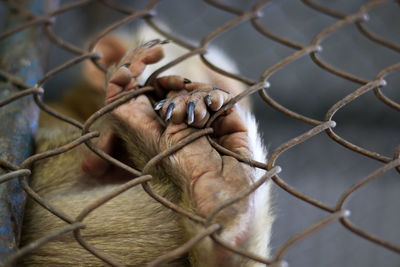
x: 112, y: 91
x: 121, y: 80
x: 172, y: 107
x: 200, y: 121
x: 166, y: 108
x: 152, y: 55
x: 231, y: 132
x: 122, y: 76
x: 196, y: 110
x: 192, y: 108
x: 216, y: 98
x: 184, y: 108
x: 140, y: 57
x: 172, y: 82
x: 180, y: 110
x: 117, y: 82
x: 229, y: 123
x: 167, y: 84
x: 131, y: 66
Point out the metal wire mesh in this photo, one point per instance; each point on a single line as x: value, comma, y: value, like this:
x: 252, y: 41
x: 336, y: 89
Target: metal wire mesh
x: 335, y: 213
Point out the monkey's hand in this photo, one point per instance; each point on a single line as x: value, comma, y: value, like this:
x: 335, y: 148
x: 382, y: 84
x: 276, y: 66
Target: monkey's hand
x: 206, y: 178
x: 209, y: 177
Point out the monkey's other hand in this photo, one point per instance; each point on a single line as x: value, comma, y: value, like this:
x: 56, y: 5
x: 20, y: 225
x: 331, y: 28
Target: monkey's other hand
x: 137, y: 114
x: 124, y: 77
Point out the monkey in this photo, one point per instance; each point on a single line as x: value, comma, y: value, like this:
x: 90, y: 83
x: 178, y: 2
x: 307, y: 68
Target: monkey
x: 134, y: 228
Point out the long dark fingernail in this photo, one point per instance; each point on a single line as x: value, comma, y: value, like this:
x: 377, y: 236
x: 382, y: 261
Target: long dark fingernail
x: 190, y: 112
x: 186, y: 81
x: 169, y: 111
x: 160, y: 104
x: 155, y: 42
x: 151, y: 43
x: 208, y: 100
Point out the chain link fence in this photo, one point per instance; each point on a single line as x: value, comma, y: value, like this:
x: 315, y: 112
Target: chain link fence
x: 313, y: 49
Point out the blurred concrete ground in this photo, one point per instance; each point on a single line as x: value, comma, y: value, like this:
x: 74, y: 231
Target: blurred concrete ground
x: 319, y: 167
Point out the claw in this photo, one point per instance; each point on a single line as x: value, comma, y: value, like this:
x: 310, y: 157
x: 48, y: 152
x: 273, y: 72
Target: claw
x: 155, y: 42
x: 190, y: 112
x: 207, y: 99
x: 169, y: 111
x: 151, y: 43
x: 160, y: 104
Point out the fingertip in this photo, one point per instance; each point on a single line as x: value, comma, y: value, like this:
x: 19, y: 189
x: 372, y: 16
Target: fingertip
x: 112, y: 90
x: 122, y: 76
x: 200, y: 113
x: 172, y: 82
x: 216, y: 102
x: 153, y: 55
x: 228, y: 123
x: 208, y: 100
x: 179, y: 114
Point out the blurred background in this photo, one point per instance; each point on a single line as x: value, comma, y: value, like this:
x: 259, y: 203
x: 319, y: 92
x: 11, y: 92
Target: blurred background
x: 319, y: 167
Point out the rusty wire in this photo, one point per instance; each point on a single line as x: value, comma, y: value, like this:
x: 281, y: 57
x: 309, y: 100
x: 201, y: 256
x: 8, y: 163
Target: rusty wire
x: 335, y: 213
